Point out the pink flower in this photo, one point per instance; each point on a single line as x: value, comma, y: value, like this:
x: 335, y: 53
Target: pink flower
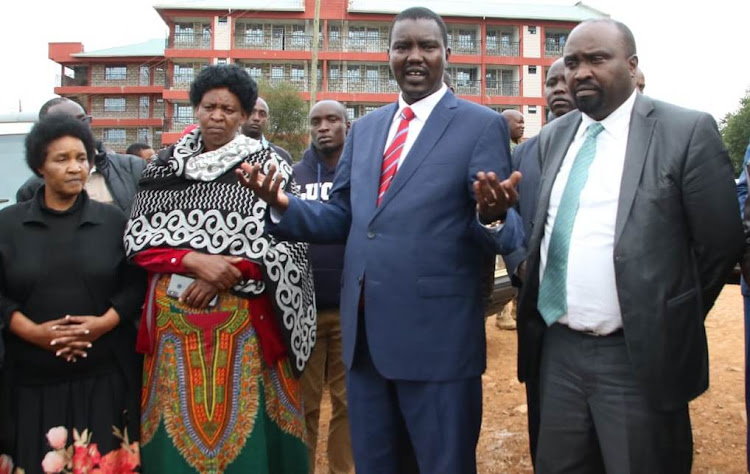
x: 57, y: 437
x: 53, y: 462
x: 6, y: 464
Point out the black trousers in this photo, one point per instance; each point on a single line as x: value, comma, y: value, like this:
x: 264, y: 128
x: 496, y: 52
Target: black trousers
x: 595, y: 416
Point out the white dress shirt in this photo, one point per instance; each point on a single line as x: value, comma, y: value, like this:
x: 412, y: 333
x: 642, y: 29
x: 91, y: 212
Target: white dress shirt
x: 591, y: 287
x: 422, y: 110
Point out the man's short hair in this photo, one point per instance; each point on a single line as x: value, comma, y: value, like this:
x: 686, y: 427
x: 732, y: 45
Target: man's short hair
x: 627, y: 36
x: 51, y: 103
x: 136, y: 148
x: 416, y: 13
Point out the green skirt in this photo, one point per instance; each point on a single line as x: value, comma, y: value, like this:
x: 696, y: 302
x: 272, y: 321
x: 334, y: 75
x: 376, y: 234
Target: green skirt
x: 210, y: 403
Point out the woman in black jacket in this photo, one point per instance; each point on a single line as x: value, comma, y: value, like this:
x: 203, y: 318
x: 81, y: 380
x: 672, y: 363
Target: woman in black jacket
x: 68, y: 299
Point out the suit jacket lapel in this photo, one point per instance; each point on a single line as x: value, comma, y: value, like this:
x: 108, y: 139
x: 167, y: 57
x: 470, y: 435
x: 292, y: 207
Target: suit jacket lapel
x: 429, y: 136
x: 639, y: 138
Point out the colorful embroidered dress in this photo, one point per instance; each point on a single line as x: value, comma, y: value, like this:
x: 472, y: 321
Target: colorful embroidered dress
x: 220, y: 392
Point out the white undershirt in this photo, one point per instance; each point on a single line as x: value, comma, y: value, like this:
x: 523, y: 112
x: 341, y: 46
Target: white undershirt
x: 591, y: 286
x: 422, y: 110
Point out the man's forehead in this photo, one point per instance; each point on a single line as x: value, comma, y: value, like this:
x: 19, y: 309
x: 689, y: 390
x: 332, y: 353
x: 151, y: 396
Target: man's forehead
x: 592, y: 37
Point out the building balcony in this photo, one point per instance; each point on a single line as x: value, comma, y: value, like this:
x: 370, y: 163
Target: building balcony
x: 552, y: 49
x: 178, y: 124
x: 358, y: 45
x: 498, y: 88
x: 274, y: 43
x: 300, y: 82
x: 190, y: 41
x: 363, y: 86
x: 464, y: 47
x: 504, y: 49
x: 468, y: 87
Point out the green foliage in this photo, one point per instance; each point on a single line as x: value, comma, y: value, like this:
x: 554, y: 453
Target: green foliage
x: 287, y: 126
x: 735, y: 131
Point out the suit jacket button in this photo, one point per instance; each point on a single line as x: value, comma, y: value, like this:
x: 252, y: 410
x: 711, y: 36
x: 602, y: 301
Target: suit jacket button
x: 370, y: 234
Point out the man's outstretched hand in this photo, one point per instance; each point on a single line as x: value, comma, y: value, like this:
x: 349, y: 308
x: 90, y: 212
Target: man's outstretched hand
x: 494, y: 197
x: 269, y: 187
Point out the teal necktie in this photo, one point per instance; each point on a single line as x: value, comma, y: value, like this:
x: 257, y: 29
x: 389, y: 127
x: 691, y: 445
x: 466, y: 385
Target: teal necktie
x: 553, y: 300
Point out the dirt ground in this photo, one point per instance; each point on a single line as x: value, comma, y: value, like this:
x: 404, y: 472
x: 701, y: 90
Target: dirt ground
x: 718, y: 416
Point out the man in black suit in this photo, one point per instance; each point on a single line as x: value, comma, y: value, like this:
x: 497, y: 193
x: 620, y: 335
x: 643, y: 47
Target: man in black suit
x: 635, y: 230
x: 526, y: 160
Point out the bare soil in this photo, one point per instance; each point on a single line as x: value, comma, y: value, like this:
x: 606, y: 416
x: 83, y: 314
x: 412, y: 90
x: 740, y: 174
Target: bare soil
x: 718, y: 416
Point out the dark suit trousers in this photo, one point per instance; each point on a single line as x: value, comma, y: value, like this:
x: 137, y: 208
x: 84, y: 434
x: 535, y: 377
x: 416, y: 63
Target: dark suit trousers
x: 595, y: 416
x: 404, y: 427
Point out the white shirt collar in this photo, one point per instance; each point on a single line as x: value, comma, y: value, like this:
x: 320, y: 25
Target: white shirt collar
x: 617, y: 123
x: 423, y: 107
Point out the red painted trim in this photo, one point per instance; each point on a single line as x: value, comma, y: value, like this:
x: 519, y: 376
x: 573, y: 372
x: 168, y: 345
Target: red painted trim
x: 127, y: 122
x: 140, y: 90
x: 176, y: 94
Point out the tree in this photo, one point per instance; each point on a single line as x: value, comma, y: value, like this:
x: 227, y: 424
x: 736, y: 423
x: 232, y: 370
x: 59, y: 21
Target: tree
x: 287, y: 126
x: 735, y: 131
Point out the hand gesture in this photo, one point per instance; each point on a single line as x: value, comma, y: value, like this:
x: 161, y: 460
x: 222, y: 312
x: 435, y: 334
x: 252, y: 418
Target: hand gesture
x: 267, y: 187
x: 218, y: 270
x: 78, y: 333
x: 493, y: 197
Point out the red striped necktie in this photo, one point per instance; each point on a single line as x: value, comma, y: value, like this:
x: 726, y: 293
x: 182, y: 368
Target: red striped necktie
x: 393, y: 153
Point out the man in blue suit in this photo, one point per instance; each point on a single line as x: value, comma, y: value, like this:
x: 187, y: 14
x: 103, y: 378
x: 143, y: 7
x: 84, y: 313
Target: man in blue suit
x: 418, y: 201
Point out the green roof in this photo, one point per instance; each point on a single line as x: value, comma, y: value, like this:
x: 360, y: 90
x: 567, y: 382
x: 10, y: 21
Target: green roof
x: 483, y: 8
x: 154, y: 47
x: 265, y: 5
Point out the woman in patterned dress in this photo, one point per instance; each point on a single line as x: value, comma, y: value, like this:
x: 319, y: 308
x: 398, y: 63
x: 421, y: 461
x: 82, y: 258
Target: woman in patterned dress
x: 223, y: 349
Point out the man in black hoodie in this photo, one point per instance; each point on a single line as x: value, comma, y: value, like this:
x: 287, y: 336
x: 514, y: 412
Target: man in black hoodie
x: 314, y: 173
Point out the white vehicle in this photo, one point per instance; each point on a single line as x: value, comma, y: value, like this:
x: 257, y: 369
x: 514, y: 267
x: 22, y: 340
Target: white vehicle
x: 13, y: 169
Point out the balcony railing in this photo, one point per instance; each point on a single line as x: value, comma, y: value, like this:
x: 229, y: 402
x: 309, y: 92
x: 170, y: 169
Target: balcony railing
x: 495, y: 88
x: 178, y: 124
x: 464, y: 46
x: 503, y: 49
x: 467, y: 87
x: 363, y: 86
x: 362, y: 45
x: 284, y: 42
x: 300, y: 82
x: 190, y: 40
x: 553, y: 49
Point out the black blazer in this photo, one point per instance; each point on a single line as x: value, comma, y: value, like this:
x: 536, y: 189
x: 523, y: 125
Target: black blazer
x: 526, y: 160
x: 677, y: 234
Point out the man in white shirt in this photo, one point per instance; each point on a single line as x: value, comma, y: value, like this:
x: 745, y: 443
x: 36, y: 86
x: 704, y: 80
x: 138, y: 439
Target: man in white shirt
x: 636, y: 228
x: 405, y: 201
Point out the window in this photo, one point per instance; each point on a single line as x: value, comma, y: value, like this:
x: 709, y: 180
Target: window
x: 254, y: 35
x: 222, y: 20
x: 143, y: 106
x: 115, y: 73
x: 532, y: 30
x: 183, y: 113
x: 114, y: 104
x: 351, y: 113
x: 532, y: 69
x: 256, y: 72
x: 144, y: 76
x: 142, y: 135
x: 183, y: 73
x: 221, y: 61
x: 277, y: 74
x: 298, y: 73
x: 532, y: 109
x: 114, y: 135
x: 334, y: 34
x: 298, y: 36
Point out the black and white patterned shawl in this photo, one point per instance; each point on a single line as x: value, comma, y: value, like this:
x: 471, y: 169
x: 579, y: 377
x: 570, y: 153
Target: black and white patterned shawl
x: 191, y: 199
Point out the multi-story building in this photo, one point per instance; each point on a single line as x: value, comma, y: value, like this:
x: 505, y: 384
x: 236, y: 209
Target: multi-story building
x: 500, y: 54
